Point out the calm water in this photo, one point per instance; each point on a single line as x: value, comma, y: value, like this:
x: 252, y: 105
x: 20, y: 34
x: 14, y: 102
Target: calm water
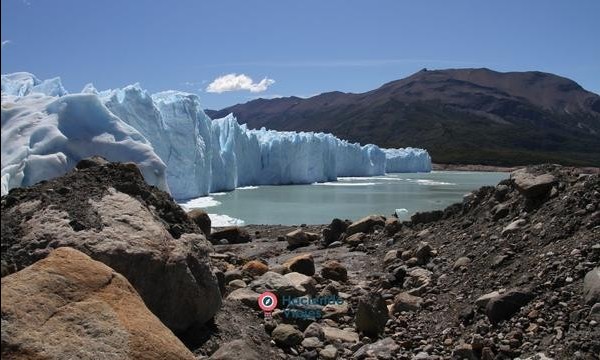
x: 350, y: 198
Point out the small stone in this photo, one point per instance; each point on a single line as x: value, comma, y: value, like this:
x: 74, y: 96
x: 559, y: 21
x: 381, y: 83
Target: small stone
x: 461, y: 262
x: 287, y: 335
x: 237, y: 284
x: 329, y: 352
x: 406, y: 302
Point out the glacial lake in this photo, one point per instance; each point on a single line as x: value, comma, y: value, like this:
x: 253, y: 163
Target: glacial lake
x: 348, y: 198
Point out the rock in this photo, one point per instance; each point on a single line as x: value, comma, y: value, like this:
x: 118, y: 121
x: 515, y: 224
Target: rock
x: 276, y: 283
x: 245, y: 296
x: 236, y: 350
x: 333, y: 231
x: 392, y: 225
x: 329, y: 352
x: 297, y: 238
x: 461, y: 262
x: 406, y: 302
x: 233, y: 275
x: 382, y: 349
x: 314, y: 330
x: 464, y: 351
x: 306, y: 284
x: 426, y: 217
x: 304, y: 264
x: 501, y: 192
x: 482, y: 301
x: 237, y: 284
x: 365, y: 224
x: 591, y: 286
x: 91, y: 162
x: 147, y: 238
x: 531, y: 185
x: 68, y: 306
x: 233, y: 235
x: 423, y: 253
x: 390, y: 257
x: 255, y: 268
x: 505, y: 305
x: 335, y: 311
x: 499, y: 211
x: 355, y: 239
x: 333, y: 270
x: 201, y: 218
x: 514, y: 226
x: 287, y: 335
x: 333, y: 334
x: 311, y: 343
x: 419, y: 276
x: 371, y: 315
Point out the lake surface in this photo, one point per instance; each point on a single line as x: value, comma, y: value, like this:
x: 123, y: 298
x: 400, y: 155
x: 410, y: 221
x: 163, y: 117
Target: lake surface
x: 348, y: 198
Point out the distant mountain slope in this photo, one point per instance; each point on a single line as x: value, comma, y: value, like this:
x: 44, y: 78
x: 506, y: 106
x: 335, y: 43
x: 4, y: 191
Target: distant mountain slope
x: 471, y: 116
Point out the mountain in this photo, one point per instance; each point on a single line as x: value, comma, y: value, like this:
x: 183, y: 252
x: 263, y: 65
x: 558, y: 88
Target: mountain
x: 469, y: 116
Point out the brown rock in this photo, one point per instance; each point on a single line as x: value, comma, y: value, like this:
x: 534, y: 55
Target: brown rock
x: 532, y: 185
x: 233, y: 234
x: 201, y: 218
x: 68, y: 306
x: 406, y: 302
x: 334, y: 270
x: 365, y: 224
x: 172, y: 274
x: 303, y: 263
x: 255, y: 268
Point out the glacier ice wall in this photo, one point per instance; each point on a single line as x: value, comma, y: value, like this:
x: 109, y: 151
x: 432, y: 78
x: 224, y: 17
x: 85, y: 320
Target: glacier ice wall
x: 45, y: 136
x: 407, y: 160
x: 201, y: 155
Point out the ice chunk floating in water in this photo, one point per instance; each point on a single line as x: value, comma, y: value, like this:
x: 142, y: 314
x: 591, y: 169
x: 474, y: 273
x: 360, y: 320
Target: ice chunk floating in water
x: 201, y: 155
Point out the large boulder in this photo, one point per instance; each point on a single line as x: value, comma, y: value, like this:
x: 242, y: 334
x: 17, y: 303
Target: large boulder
x: 68, y: 306
x: 532, y: 185
x: 591, y: 286
x: 505, y: 305
x: 109, y: 213
x: 365, y: 224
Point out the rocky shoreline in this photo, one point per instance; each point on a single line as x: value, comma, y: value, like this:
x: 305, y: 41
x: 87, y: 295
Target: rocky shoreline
x: 511, y: 272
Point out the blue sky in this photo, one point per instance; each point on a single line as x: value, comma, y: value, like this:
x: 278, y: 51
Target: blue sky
x: 285, y: 48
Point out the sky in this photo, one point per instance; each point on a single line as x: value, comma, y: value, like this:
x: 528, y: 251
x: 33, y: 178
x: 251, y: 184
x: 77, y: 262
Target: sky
x: 232, y: 52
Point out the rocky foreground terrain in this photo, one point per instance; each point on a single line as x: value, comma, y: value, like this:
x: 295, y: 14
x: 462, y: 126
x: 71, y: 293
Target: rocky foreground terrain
x: 97, y: 264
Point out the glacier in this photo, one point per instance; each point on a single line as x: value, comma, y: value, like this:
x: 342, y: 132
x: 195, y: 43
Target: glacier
x: 407, y: 160
x: 45, y: 131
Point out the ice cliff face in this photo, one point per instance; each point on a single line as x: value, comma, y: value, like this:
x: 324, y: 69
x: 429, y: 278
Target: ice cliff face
x: 45, y: 136
x: 201, y: 155
x: 407, y: 160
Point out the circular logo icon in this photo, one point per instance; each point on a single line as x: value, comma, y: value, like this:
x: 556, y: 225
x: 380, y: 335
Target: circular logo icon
x: 267, y: 301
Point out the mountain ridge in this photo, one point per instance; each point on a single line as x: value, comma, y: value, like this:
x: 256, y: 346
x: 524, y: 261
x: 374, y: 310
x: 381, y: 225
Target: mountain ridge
x: 471, y: 116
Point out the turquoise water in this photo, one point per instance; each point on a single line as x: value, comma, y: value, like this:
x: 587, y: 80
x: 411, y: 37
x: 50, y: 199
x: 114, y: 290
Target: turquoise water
x: 348, y: 198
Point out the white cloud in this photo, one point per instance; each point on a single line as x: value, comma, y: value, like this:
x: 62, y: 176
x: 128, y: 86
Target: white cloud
x: 5, y: 42
x: 235, y: 82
